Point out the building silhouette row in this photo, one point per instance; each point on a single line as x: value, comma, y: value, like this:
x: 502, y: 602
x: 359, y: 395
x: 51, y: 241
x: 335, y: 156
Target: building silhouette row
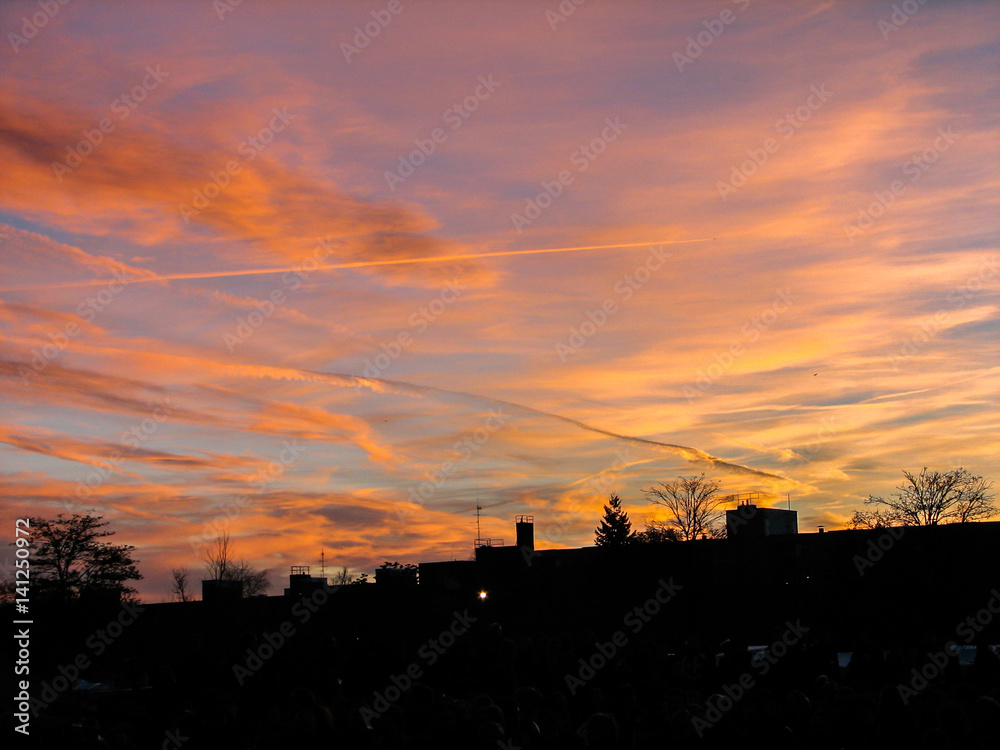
x: 881, y: 581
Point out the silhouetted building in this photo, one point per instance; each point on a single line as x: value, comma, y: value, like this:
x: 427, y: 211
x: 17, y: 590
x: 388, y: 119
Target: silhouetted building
x: 449, y: 577
x: 216, y: 591
x: 525, y: 526
x: 301, y: 582
x: 748, y: 521
x: 401, y: 576
x: 880, y: 581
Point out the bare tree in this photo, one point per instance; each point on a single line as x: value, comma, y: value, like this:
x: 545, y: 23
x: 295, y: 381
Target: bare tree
x: 179, y: 588
x: 872, y: 519
x: 693, y: 505
x: 718, y: 531
x: 933, y: 497
x: 223, y: 566
x: 254, y: 581
x: 219, y: 557
x: 342, y: 578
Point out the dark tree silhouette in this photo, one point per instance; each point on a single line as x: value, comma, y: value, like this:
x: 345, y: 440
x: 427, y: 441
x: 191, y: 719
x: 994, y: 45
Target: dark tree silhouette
x: 70, y: 559
x: 396, y: 573
x: 8, y: 588
x: 615, y: 529
x: 180, y: 588
x: 223, y: 566
x: 693, y: 504
x: 219, y: 558
x: 657, y: 532
x: 933, y: 497
x: 872, y: 519
x: 342, y: 578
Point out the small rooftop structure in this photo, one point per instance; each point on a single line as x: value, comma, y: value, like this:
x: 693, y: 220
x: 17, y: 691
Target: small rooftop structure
x: 488, y: 542
x: 301, y: 582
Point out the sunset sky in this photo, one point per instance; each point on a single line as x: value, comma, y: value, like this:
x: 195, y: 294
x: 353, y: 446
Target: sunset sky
x: 754, y: 240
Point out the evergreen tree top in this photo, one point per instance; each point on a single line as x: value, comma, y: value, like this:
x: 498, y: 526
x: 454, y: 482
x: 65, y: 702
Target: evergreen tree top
x: 616, y: 528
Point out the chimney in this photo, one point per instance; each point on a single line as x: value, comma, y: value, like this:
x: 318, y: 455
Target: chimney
x: 525, y: 526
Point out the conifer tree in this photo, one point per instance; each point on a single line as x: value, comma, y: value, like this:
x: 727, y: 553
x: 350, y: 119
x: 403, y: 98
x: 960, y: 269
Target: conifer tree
x: 615, y: 529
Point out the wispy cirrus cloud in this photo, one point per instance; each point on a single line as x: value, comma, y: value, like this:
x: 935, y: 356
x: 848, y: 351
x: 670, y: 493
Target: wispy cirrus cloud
x: 821, y: 361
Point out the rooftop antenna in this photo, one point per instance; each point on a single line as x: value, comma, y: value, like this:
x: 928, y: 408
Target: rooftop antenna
x: 322, y: 562
x: 789, y: 501
x: 479, y: 532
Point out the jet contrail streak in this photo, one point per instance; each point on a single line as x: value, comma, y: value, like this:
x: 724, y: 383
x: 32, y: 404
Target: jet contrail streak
x: 402, y: 387
x: 689, y: 454
x: 339, y: 266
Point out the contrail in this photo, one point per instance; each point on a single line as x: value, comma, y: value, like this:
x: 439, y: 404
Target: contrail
x: 690, y: 454
x: 401, y: 387
x: 339, y: 266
